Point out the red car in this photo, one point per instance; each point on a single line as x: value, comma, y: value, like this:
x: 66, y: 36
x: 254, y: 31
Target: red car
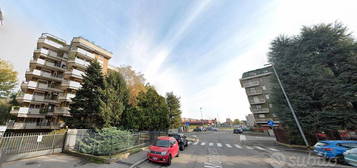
x: 164, y: 149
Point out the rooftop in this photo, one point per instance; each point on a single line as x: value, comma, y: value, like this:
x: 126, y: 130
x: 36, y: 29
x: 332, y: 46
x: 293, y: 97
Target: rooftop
x: 257, y: 72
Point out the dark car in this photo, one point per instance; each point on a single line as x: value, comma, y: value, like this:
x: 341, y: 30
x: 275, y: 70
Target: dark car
x: 238, y: 131
x: 181, y: 139
x: 197, y: 129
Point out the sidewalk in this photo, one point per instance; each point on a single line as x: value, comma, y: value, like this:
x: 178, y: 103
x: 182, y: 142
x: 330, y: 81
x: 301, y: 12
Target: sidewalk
x: 62, y: 160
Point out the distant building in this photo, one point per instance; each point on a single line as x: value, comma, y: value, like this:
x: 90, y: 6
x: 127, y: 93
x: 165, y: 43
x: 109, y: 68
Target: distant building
x: 258, y: 89
x: 229, y: 121
x: 54, y: 75
x: 198, y: 122
x: 250, y: 120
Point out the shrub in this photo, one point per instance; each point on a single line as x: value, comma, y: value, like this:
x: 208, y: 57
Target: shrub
x: 106, y: 141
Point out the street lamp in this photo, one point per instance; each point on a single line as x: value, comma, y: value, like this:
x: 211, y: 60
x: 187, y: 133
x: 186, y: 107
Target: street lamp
x: 201, y: 116
x: 291, y: 108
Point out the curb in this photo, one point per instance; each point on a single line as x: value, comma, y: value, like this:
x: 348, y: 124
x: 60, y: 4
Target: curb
x: 138, y: 163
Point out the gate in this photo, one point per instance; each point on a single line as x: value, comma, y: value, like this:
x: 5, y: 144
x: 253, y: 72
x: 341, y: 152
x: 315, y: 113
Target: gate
x: 26, y: 145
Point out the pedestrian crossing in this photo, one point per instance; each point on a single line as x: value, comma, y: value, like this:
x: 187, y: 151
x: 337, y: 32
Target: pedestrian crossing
x: 237, y: 146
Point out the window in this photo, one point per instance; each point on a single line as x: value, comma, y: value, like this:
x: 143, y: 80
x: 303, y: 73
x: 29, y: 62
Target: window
x: 270, y: 105
x: 261, y: 116
x: 267, y: 96
x: 258, y: 107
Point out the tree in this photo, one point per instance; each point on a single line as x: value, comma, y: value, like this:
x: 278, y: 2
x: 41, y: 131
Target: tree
x: 85, y: 105
x: 115, y: 99
x: 154, y: 112
x: 7, y: 78
x: 135, y: 82
x: 236, y: 122
x: 318, y: 69
x: 174, y: 105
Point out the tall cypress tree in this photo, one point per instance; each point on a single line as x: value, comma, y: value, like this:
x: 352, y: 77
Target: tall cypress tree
x: 85, y: 105
x: 173, y: 103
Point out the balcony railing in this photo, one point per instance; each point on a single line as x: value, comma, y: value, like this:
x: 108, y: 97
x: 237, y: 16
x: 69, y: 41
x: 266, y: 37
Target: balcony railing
x: 51, y: 43
x: 262, y: 110
x: 85, y: 53
x: 75, y: 73
x: 62, y: 110
x: 261, y: 101
x: 250, y: 84
x: 36, y: 85
x: 254, y: 92
x: 24, y: 110
x: 33, y: 125
x: 51, y: 53
x: 44, y: 74
x: 67, y: 96
x: 71, y: 84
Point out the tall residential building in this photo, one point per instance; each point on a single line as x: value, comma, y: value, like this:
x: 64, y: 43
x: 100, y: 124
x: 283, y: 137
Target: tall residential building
x: 258, y: 88
x: 250, y: 120
x: 53, y: 77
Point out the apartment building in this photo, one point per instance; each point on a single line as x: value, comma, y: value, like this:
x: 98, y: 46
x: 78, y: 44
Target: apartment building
x: 53, y: 77
x: 258, y: 88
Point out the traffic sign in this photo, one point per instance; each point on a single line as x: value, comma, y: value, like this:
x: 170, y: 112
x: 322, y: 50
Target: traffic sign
x: 187, y: 123
x: 270, y: 123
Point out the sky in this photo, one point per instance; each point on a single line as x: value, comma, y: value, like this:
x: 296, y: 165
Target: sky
x: 196, y: 48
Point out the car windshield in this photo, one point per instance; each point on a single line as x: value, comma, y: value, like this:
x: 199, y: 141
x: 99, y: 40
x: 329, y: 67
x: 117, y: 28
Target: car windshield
x: 349, y: 145
x: 320, y: 144
x: 162, y: 143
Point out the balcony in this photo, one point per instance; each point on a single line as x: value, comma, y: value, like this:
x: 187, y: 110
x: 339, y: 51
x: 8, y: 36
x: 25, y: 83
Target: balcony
x: 83, y: 52
x: 66, y: 97
x: 36, y: 98
x: 48, y: 64
x: 261, y: 101
x: 50, y: 53
x: 71, y: 84
x: 260, y: 111
x: 51, y: 43
x: 62, y: 111
x: 80, y: 63
x: 75, y: 73
x: 24, y: 110
x: 254, y: 92
x: 43, y: 74
x: 39, y: 86
x: 250, y: 84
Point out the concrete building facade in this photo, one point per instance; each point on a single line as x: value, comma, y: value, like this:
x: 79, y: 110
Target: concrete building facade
x: 257, y: 85
x: 250, y: 120
x: 53, y: 77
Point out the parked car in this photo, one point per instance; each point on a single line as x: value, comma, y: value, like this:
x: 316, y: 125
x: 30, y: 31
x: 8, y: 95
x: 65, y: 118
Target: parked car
x: 351, y: 157
x: 333, y: 149
x: 237, y: 131
x: 197, y: 129
x: 212, y: 129
x: 164, y: 149
x: 181, y: 139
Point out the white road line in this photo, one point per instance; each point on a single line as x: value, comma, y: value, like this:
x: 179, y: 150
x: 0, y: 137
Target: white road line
x: 238, y: 146
x: 272, y: 149
x: 219, y: 144
x: 228, y: 145
x: 195, y: 143
x: 203, y: 143
x: 242, y: 137
x: 210, y: 144
x: 260, y: 148
x: 248, y: 147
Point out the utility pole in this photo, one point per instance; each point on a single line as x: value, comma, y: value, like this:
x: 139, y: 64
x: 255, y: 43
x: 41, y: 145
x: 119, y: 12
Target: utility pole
x: 291, y: 108
x: 201, y: 116
x: 1, y: 18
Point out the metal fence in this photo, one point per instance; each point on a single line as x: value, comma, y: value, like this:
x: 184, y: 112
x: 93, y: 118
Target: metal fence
x: 24, y: 145
x: 102, y: 145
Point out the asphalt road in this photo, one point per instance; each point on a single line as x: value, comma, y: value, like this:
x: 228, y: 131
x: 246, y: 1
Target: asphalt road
x: 224, y: 149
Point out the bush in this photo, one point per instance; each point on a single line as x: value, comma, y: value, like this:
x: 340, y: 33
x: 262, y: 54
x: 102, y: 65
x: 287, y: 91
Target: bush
x: 106, y: 141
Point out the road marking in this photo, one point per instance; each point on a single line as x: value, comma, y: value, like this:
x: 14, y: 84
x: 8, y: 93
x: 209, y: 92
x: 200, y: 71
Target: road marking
x: 228, y: 145
x: 195, y: 143
x: 272, y: 149
x: 242, y: 137
x: 219, y: 144
x: 210, y: 144
x: 248, y: 147
x: 203, y: 143
x: 258, y: 147
x: 238, y: 146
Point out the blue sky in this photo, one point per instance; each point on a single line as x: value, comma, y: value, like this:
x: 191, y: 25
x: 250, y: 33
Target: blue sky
x: 196, y: 48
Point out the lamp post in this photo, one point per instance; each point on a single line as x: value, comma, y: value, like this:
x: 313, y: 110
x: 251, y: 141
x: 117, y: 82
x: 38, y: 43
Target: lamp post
x: 201, y: 116
x: 290, y: 106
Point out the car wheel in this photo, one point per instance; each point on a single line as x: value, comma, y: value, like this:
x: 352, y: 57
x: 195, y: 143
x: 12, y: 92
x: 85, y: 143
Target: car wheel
x: 182, y: 147
x: 186, y: 144
x: 169, y: 161
x: 340, y: 159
